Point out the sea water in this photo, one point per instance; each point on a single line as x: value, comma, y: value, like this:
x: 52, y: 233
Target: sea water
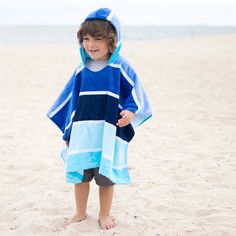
x: 31, y: 34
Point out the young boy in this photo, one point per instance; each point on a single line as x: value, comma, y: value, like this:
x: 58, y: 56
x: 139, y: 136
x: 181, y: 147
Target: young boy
x: 97, y: 110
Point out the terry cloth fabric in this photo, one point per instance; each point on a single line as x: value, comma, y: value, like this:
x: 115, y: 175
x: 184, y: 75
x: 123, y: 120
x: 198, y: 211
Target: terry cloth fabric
x: 88, y: 109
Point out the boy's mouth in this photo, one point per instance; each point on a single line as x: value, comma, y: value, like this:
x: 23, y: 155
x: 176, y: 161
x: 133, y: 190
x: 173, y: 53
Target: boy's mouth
x: 92, y: 51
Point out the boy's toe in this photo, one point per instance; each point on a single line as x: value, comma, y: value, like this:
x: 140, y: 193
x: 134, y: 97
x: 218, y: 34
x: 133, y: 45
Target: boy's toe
x: 106, y: 223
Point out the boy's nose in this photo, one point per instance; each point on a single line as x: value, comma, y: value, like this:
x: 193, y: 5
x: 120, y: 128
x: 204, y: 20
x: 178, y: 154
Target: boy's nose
x: 91, y: 45
x: 91, y: 42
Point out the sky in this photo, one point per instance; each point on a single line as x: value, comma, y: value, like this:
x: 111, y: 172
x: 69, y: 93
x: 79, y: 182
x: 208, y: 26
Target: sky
x: 130, y: 12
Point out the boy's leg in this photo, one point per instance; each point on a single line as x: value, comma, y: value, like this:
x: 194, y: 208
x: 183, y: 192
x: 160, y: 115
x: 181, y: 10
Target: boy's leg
x: 106, y: 196
x: 81, y: 199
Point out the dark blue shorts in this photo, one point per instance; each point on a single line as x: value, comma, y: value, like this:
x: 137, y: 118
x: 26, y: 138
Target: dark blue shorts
x: 99, y: 179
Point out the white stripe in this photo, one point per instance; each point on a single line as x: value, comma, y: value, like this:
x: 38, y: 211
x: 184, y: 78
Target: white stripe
x: 99, y: 93
x: 71, y: 118
x: 79, y: 68
x: 62, y: 105
x: 115, y: 65
x: 136, y: 100
x: 126, y: 76
x: 107, y: 157
x: 89, y: 122
x: 84, y: 150
x: 110, y: 16
x: 120, y: 107
x: 119, y: 167
x: 82, y: 122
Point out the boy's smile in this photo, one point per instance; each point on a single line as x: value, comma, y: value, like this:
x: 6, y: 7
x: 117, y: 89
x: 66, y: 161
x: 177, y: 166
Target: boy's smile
x: 97, y: 48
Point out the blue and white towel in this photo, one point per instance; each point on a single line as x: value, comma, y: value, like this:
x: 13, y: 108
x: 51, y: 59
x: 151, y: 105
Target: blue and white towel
x: 88, y: 109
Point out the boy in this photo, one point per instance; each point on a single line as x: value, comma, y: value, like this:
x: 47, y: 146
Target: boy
x: 96, y: 112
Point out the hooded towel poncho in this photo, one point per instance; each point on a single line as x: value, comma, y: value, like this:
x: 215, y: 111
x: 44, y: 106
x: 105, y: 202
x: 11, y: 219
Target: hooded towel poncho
x: 87, y: 111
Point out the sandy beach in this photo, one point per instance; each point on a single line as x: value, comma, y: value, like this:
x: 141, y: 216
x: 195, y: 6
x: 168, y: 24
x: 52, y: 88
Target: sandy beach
x: 182, y: 162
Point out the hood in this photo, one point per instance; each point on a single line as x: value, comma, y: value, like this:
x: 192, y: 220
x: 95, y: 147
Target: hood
x: 105, y: 14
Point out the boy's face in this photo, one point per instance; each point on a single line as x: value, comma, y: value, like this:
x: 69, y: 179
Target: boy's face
x: 97, y: 48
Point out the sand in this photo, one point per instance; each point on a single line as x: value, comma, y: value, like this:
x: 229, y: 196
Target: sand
x: 182, y: 162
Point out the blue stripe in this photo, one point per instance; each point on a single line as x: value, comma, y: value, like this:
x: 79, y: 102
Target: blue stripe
x: 97, y: 107
x: 82, y: 161
x: 103, y: 80
x: 126, y: 89
x: 102, y: 14
x: 126, y: 98
x: 62, y: 117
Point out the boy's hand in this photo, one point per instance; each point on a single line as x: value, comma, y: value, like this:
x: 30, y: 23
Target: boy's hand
x: 67, y: 143
x: 127, y: 116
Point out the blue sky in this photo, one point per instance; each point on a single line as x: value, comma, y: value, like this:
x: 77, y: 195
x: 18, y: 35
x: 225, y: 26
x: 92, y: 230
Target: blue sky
x: 130, y: 12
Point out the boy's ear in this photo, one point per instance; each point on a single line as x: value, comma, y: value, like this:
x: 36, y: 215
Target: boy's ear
x: 111, y: 50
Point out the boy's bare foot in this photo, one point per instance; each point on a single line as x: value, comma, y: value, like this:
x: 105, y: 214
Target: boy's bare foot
x: 74, y: 219
x: 106, y: 222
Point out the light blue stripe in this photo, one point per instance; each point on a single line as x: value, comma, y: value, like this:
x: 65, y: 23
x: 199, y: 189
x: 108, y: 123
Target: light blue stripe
x: 74, y: 177
x: 109, y: 141
x: 138, y: 120
x: 111, y: 159
x: 86, y: 136
x: 121, y: 149
x: 118, y: 176
x: 83, y: 161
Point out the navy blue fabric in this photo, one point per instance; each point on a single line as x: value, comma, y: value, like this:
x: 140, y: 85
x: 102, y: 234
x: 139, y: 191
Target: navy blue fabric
x: 126, y: 133
x: 102, y: 107
x: 97, y: 107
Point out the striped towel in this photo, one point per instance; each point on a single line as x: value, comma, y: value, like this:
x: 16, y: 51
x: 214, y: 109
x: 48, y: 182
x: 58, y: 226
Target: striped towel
x: 87, y: 111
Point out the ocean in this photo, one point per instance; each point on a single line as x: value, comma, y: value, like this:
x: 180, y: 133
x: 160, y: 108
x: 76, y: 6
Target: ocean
x: 33, y: 34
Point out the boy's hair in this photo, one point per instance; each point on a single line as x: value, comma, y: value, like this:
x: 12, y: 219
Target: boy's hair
x: 98, y: 28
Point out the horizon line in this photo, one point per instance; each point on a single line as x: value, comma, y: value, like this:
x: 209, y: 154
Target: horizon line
x: 143, y: 25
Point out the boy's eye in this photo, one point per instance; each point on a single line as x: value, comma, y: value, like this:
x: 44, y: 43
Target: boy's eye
x: 85, y: 38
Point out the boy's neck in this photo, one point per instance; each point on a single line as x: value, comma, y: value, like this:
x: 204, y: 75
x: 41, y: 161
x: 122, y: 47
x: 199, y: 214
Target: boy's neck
x: 96, y: 65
